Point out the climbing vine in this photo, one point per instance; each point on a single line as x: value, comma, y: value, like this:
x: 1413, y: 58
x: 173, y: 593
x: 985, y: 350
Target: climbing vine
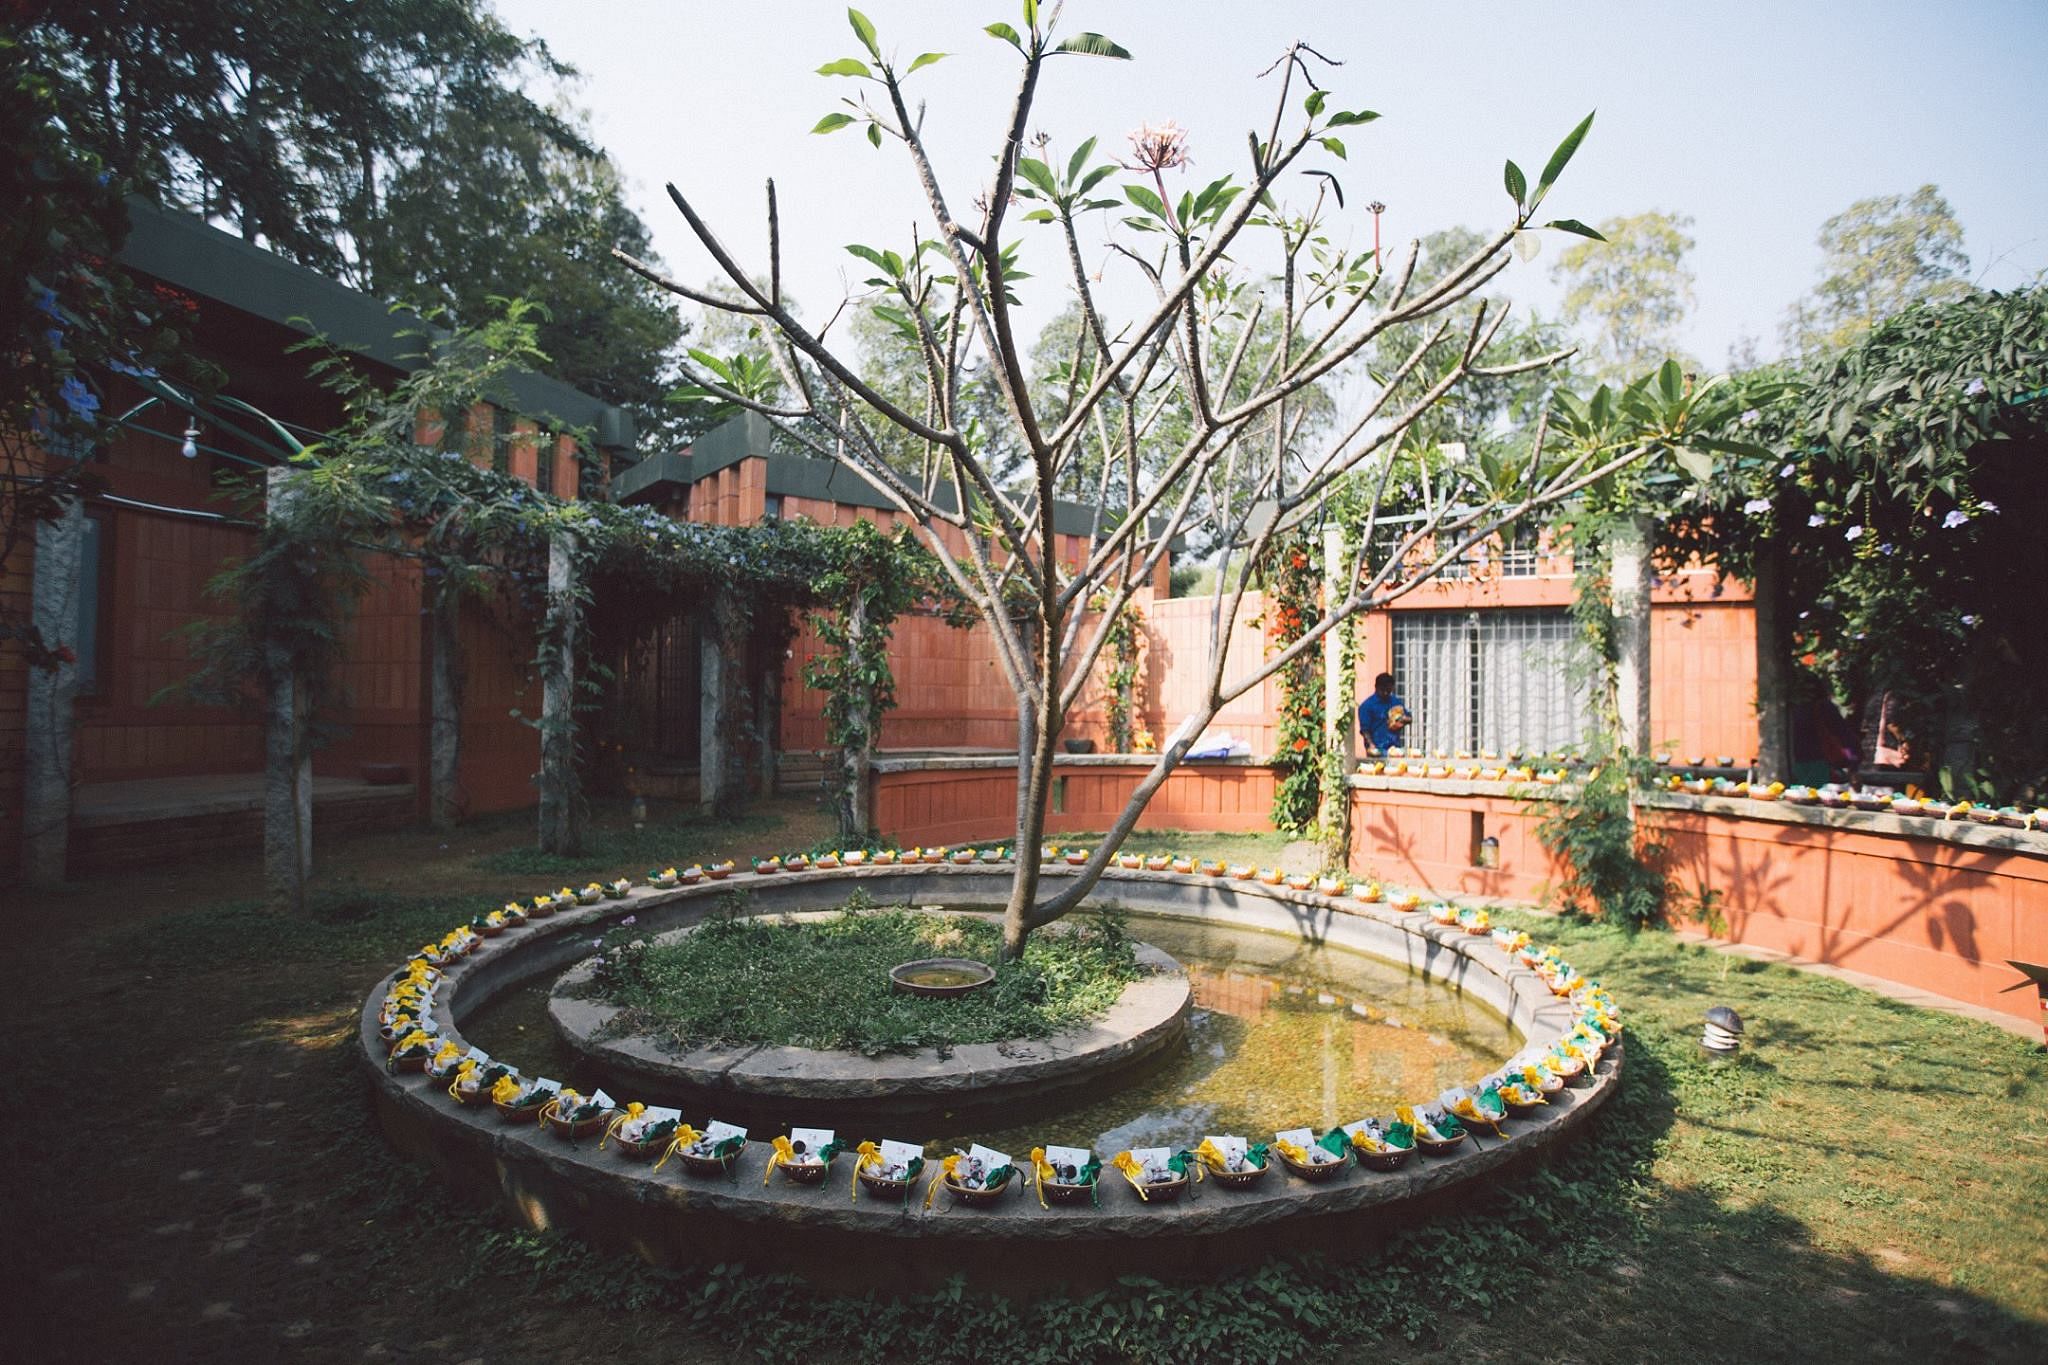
x: 1125, y: 650
x: 871, y: 579
x: 371, y: 489
x: 1293, y: 608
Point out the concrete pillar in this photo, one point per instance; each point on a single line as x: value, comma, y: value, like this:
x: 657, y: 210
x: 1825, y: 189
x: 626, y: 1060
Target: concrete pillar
x: 1334, y: 804
x: 561, y: 804
x: 1629, y: 558
x: 287, y: 760
x: 444, y: 738
x: 46, y: 779
x: 1773, y: 669
x: 721, y: 779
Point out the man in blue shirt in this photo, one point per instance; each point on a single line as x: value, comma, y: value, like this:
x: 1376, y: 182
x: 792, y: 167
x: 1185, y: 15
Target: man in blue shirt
x: 1382, y: 716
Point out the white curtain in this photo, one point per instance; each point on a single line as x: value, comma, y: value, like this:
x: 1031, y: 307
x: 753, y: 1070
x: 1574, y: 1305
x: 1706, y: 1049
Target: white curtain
x: 1491, y: 680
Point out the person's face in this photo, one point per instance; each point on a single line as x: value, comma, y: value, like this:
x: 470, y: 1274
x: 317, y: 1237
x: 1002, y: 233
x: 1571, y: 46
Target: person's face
x: 1383, y: 690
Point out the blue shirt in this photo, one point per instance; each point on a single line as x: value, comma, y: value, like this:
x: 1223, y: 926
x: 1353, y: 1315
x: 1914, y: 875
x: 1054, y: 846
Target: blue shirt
x: 1372, y: 721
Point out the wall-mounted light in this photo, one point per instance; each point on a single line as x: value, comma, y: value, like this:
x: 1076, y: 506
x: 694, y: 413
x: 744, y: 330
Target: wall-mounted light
x: 190, y: 450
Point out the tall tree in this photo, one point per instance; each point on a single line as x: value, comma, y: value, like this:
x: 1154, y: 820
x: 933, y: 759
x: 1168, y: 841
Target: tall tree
x: 391, y: 144
x: 1485, y: 410
x: 1050, y: 620
x: 1628, y: 296
x: 1879, y: 256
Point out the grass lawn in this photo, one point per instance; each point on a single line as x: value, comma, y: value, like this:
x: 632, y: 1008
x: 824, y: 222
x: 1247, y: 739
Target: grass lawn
x: 192, y: 1175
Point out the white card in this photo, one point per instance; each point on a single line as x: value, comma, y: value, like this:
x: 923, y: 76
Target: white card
x: 1062, y: 1157
x: 1233, y: 1148
x: 900, y: 1153
x: 810, y: 1142
x: 1354, y: 1129
x: 989, y: 1157
x: 479, y: 1056
x: 543, y: 1083
x: 716, y: 1132
x: 603, y: 1101
x: 1300, y: 1137
x: 1152, y: 1158
x: 656, y: 1114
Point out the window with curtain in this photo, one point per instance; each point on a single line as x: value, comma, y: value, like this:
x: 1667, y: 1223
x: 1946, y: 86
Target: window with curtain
x: 1491, y: 680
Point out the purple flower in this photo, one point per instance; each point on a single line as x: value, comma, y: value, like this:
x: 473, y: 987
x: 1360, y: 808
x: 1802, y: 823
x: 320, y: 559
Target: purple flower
x: 1969, y: 620
x: 1853, y: 533
x: 46, y: 300
x: 1886, y: 548
x: 1955, y: 518
x: 82, y: 401
x: 630, y: 919
x: 597, y: 943
x: 1785, y: 472
x: 1987, y: 509
x: 1756, y: 507
x: 1816, y: 520
x: 1973, y: 388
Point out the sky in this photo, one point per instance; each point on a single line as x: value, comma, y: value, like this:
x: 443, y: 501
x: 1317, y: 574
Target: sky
x: 1759, y: 120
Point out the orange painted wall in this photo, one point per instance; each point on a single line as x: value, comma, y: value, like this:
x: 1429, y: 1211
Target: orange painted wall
x: 947, y: 806
x: 1929, y: 913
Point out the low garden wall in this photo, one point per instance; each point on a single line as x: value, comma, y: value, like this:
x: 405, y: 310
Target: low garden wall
x: 974, y: 800
x: 1938, y: 905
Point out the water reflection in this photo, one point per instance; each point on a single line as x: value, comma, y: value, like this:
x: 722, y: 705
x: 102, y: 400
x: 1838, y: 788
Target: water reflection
x: 1284, y: 1034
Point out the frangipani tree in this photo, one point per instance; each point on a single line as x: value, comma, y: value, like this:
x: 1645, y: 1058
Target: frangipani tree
x: 1225, y: 263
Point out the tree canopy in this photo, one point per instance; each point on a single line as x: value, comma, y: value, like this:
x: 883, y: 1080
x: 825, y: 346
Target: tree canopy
x: 1879, y: 256
x: 1628, y: 296
x: 390, y: 144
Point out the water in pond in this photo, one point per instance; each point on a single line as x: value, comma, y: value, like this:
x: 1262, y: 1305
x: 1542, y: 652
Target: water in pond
x: 1284, y: 1034
x: 943, y: 976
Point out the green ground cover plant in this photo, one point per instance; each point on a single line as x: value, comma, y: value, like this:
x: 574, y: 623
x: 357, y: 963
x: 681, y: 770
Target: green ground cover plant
x: 824, y: 983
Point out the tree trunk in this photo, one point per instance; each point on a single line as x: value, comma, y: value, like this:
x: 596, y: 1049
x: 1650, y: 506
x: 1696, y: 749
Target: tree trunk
x: 46, y: 777
x: 444, y: 740
x: 561, y: 804
x: 1040, y: 726
x: 1629, y: 551
x: 1773, y: 669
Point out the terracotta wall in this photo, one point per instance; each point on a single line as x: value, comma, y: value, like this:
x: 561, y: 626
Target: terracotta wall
x: 1702, y: 649
x: 948, y: 806
x: 1930, y: 913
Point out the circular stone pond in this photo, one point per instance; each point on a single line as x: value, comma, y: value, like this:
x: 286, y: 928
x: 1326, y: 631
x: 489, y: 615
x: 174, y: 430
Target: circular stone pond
x: 1330, y: 1059
x: 916, y: 1091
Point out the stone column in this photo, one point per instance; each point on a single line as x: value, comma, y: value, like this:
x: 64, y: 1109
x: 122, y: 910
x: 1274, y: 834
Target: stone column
x: 856, y: 756
x: 1335, y: 803
x: 1773, y: 669
x: 46, y: 779
x: 1629, y: 560
x: 444, y: 738
x: 561, y: 805
x: 721, y: 779
x: 287, y: 760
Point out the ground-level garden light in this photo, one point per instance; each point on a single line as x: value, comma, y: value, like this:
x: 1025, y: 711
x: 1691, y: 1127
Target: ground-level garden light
x: 1724, y: 1031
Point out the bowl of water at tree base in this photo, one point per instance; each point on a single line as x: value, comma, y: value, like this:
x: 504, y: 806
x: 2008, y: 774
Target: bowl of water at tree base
x: 941, y: 976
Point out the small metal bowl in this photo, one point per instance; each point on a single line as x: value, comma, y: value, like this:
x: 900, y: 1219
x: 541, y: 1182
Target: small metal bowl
x: 942, y: 977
